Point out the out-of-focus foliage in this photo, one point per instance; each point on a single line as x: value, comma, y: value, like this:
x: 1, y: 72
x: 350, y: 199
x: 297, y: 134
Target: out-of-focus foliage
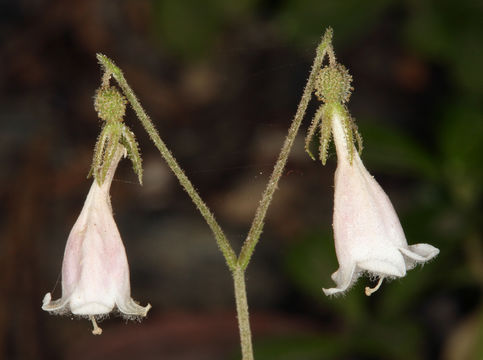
x: 301, y: 20
x: 214, y: 75
x: 190, y: 27
x: 449, y: 33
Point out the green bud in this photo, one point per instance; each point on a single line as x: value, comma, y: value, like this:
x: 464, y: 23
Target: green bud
x: 110, y: 104
x: 333, y: 84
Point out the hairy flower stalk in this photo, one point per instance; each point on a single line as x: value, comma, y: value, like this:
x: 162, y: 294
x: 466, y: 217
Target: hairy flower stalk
x: 367, y: 232
x: 95, y: 271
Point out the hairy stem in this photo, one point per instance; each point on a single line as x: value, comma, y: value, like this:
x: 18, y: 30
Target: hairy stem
x: 243, y: 316
x: 253, y: 236
x: 220, y: 237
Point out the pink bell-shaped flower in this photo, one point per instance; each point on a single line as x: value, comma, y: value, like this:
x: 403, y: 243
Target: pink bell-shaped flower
x: 367, y: 232
x: 95, y: 271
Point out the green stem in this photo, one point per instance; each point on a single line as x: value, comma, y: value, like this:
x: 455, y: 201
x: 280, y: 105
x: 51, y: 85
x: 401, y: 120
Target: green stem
x: 243, y: 315
x: 253, y: 236
x: 221, y: 239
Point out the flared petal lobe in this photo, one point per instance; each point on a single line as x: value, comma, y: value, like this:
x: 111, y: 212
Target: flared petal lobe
x: 367, y: 232
x: 95, y: 271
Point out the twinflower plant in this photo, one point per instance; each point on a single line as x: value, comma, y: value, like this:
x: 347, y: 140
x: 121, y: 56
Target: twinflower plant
x: 369, y: 238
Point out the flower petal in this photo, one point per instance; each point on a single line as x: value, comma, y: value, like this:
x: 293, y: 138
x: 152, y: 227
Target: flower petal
x: 82, y: 307
x: 57, y: 306
x: 343, y: 279
x: 130, y: 308
x: 418, y: 254
x: 383, y: 268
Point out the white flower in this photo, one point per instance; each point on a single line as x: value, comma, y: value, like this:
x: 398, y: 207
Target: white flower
x: 367, y: 232
x: 95, y: 271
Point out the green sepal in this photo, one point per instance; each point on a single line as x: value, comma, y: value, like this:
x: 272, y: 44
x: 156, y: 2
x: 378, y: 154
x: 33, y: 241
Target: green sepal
x: 129, y: 141
x: 325, y: 136
x: 109, y: 152
x: 105, y: 150
x: 312, y: 129
x: 98, y: 151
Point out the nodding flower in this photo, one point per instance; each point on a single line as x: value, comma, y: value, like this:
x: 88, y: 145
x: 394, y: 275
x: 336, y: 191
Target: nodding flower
x: 367, y: 232
x: 95, y: 271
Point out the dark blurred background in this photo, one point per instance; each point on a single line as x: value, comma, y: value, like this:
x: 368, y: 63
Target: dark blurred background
x: 222, y: 80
